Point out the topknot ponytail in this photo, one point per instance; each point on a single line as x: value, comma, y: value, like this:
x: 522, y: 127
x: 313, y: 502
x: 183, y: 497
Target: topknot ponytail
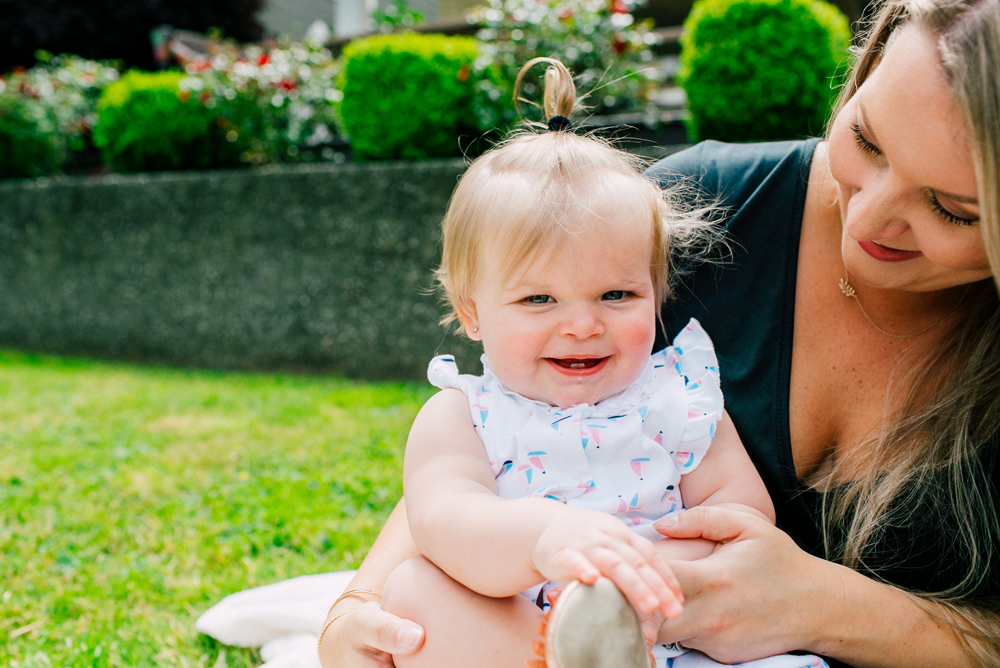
x: 559, y: 97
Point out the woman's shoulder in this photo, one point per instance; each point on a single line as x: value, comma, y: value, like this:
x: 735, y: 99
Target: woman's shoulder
x: 729, y: 173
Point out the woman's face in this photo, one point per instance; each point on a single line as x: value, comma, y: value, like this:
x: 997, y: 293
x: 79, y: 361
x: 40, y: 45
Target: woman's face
x: 901, y: 157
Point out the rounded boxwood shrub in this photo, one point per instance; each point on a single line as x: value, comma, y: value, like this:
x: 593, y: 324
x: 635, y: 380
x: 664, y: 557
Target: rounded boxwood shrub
x: 761, y: 69
x: 149, y: 121
x: 28, y: 144
x: 408, y: 95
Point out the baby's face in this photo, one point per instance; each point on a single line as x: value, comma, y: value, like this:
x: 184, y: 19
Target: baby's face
x: 576, y: 326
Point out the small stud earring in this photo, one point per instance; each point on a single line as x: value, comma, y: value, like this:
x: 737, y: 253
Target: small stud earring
x: 475, y: 330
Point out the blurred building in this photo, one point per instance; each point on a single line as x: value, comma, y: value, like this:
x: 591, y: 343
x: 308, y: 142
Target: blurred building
x: 347, y: 17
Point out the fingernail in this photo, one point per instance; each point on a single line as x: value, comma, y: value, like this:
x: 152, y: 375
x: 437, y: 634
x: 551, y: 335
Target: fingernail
x: 675, y: 610
x: 651, y: 604
x: 409, y: 637
x: 668, y: 521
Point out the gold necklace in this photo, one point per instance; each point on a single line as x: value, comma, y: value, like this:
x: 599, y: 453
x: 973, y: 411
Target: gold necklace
x: 849, y: 291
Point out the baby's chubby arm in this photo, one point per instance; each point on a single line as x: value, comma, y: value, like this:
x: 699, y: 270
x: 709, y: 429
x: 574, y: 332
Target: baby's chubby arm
x: 725, y: 478
x: 500, y: 547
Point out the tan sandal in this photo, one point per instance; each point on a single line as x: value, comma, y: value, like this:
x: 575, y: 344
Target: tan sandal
x: 591, y: 626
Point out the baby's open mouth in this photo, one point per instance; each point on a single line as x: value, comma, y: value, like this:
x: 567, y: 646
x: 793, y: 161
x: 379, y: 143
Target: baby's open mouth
x: 576, y: 363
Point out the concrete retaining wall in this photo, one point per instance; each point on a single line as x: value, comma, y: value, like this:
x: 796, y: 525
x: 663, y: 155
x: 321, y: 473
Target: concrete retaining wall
x: 322, y: 267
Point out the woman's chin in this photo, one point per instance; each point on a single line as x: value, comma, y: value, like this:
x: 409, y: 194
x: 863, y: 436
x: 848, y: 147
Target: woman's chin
x: 866, y: 272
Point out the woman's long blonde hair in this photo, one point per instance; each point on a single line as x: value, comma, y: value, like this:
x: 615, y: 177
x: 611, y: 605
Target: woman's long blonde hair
x: 931, y: 449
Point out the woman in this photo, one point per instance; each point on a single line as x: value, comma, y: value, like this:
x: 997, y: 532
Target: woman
x: 858, y: 330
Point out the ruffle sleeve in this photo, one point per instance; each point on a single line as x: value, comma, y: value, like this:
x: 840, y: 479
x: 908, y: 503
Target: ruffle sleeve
x: 442, y: 372
x: 696, y: 363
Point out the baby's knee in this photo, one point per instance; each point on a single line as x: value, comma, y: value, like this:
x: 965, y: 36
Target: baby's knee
x: 411, y: 586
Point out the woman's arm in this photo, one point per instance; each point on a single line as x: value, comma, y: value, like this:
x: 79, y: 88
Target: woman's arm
x: 368, y: 636
x: 759, y: 594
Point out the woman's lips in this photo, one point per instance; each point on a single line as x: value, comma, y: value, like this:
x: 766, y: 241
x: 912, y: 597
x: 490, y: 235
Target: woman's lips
x: 577, y: 366
x: 883, y: 254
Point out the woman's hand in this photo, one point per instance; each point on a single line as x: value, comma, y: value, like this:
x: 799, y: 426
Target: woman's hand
x: 756, y: 595
x: 584, y: 544
x: 367, y: 638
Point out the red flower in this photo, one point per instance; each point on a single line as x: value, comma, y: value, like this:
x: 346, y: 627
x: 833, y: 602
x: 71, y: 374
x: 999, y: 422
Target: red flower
x: 618, y: 7
x: 263, y: 59
x: 463, y: 74
x: 287, y: 84
x: 619, y: 46
x: 566, y: 14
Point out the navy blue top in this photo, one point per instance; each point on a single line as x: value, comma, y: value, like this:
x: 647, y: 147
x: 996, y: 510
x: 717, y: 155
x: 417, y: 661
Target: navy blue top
x: 747, y: 307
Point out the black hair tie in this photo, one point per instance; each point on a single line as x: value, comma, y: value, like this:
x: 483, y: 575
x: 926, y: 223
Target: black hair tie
x: 559, y: 124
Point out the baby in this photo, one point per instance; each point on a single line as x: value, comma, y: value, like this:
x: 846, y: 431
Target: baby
x: 554, y: 464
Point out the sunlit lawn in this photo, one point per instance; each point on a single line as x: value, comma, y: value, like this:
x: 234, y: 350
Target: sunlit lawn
x: 132, y: 498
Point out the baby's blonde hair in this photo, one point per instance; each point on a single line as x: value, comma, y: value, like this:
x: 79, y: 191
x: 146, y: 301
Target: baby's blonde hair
x: 537, y: 189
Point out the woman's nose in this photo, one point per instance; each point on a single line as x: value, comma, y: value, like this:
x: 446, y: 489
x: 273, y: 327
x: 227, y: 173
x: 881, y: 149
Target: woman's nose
x: 873, y: 211
x: 582, y: 322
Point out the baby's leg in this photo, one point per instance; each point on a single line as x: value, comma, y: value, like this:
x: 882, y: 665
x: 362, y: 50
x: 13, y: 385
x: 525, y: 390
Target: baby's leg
x: 462, y: 628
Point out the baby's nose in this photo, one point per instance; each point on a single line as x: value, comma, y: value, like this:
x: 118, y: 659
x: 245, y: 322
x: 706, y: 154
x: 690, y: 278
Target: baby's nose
x: 582, y: 322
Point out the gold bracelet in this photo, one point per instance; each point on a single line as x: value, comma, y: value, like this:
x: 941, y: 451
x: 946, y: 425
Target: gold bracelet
x: 322, y: 633
x: 354, y: 593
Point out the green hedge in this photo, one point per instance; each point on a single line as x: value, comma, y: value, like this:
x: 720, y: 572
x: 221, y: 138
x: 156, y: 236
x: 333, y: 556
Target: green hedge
x: 148, y: 122
x: 408, y: 95
x: 27, y: 148
x: 761, y: 69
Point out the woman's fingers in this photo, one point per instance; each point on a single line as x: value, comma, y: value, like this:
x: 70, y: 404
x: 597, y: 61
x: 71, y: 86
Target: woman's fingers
x: 718, y: 524
x: 373, y: 628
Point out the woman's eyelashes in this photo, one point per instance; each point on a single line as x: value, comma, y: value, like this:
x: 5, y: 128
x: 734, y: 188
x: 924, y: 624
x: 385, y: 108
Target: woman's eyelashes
x: 865, y: 145
x: 946, y: 215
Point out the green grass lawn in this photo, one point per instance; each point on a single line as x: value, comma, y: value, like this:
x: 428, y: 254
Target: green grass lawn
x: 132, y: 498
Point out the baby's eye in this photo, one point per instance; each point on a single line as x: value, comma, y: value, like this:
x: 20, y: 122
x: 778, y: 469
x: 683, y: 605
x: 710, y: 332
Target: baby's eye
x: 538, y: 299
x: 614, y: 295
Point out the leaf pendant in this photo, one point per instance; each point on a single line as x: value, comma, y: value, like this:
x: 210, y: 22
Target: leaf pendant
x: 847, y: 288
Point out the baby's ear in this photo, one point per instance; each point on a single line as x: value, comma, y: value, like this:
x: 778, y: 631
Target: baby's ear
x: 468, y: 317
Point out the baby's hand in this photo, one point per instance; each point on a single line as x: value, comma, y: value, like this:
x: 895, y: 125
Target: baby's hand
x: 584, y: 544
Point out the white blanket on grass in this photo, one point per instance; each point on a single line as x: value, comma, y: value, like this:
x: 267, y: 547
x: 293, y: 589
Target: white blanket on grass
x: 284, y: 619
